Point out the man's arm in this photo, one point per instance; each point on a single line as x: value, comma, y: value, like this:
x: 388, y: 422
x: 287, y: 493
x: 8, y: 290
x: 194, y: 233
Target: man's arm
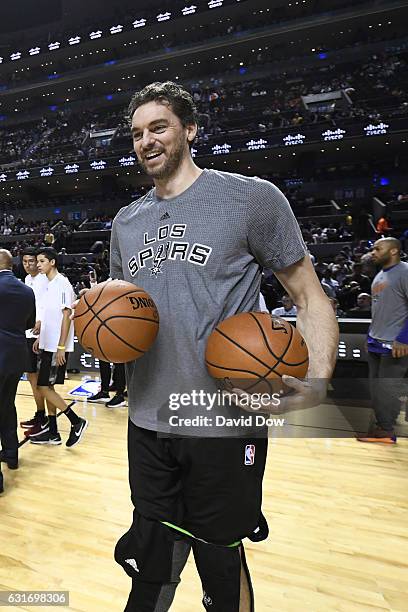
x: 65, y: 326
x: 318, y: 325
x: 400, y: 344
x: 316, y: 320
x: 116, y: 270
x: 31, y: 317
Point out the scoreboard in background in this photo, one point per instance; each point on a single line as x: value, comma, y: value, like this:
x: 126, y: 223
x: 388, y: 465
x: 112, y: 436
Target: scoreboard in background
x: 353, y: 334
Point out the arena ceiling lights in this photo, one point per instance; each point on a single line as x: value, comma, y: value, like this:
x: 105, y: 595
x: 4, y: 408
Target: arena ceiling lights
x: 119, y: 28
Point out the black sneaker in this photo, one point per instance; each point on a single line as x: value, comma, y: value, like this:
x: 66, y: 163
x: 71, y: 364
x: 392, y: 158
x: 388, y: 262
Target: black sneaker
x: 116, y: 401
x: 12, y: 462
x: 46, y: 438
x: 77, y: 431
x: 34, y: 421
x: 101, y: 396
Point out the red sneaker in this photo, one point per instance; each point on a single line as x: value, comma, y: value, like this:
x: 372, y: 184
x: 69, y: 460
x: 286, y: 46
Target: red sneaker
x: 380, y: 436
x: 38, y: 429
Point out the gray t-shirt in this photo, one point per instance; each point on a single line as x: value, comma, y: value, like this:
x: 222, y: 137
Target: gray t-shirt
x: 389, y: 302
x: 199, y: 255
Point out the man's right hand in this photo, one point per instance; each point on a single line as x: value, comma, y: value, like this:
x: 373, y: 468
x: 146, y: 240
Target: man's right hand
x: 37, y: 328
x: 36, y: 346
x: 75, y: 304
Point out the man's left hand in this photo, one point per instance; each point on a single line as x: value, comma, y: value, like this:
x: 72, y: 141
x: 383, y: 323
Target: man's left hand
x: 60, y: 357
x: 399, y: 349
x: 308, y: 393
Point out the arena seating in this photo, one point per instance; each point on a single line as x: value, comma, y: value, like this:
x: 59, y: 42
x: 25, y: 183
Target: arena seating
x: 376, y: 88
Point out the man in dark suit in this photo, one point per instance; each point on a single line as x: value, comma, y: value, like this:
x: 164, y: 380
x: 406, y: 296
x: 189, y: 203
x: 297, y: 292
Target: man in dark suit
x: 17, y: 313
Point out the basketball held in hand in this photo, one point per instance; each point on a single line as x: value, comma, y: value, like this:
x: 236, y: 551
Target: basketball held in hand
x: 116, y: 321
x: 252, y: 350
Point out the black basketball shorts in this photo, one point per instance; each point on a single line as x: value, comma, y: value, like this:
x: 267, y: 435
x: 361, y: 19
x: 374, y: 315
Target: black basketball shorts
x: 48, y: 373
x: 32, y: 358
x: 209, y: 488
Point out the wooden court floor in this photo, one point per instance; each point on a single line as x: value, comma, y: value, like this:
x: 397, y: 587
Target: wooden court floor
x: 337, y: 511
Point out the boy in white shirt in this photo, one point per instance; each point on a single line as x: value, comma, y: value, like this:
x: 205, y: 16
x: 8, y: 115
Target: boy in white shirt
x: 38, y: 283
x: 55, y: 342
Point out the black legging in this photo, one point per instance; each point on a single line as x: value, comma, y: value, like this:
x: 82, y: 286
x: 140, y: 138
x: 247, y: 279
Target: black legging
x: 387, y: 385
x: 119, y: 379
x: 8, y: 414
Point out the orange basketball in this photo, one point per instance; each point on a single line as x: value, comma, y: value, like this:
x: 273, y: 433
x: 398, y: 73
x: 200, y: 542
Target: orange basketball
x: 116, y: 321
x: 252, y: 350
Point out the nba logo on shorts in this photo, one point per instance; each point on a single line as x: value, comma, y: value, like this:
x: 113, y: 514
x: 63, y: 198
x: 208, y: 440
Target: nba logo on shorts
x: 250, y: 454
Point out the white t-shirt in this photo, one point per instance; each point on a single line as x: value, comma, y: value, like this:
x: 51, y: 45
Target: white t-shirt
x: 281, y: 312
x: 59, y: 295
x: 262, y: 304
x: 39, y: 285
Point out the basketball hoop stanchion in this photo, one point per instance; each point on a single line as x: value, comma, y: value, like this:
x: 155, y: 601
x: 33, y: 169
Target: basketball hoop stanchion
x: 27, y: 438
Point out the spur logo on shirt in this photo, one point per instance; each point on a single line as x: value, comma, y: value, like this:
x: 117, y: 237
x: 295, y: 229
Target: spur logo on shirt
x: 167, y: 245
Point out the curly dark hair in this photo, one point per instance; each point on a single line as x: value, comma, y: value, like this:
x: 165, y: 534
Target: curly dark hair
x: 178, y: 98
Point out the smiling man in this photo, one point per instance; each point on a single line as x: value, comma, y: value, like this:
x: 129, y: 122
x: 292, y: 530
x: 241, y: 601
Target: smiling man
x: 197, y: 242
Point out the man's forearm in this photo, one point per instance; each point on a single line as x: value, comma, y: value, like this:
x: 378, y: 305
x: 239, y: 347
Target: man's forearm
x: 318, y: 325
x: 65, y: 327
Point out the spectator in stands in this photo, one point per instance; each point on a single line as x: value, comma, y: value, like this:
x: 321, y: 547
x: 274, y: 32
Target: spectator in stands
x: 361, y: 248
x: 269, y: 290
x: 348, y: 295
x: 98, y: 247
x: 383, y: 226
x: 337, y: 310
x: 331, y: 233
x: 330, y: 285
x: 85, y: 266
x: 359, y: 277
x: 61, y: 233
x: 339, y: 271
x: 288, y: 308
x: 318, y: 236
x: 404, y: 240
x: 368, y: 266
x: 363, y: 308
x: 49, y: 238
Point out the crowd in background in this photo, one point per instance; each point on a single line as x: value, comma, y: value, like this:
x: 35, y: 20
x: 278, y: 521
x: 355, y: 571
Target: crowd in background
x: 346, y: 277
x: 375, y: 90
